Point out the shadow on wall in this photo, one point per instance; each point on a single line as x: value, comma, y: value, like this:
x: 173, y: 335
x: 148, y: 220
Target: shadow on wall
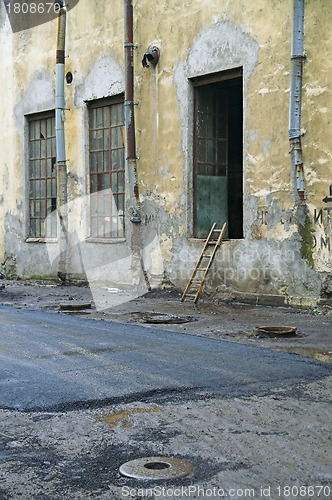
x: 121, y: 267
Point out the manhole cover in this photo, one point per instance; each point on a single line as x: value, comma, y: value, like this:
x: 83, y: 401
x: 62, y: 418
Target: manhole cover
x: 164, y: 318
x: 74, y: 306
x: 157, y: 468
x: 276, y: 331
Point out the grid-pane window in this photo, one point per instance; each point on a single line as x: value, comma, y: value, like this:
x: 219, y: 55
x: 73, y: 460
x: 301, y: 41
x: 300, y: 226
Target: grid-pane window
x: 42, y: 177
x: 107, y: 168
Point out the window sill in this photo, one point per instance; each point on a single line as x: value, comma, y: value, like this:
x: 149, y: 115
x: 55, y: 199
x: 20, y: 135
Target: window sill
x: 41, y: 240
x: 112, y: 241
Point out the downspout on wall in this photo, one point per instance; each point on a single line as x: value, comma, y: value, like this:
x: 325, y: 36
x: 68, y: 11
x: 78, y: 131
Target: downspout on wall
x: 131, y: 158
x: 295, y: 111
x: 60, y: 139
x: 295, y: 107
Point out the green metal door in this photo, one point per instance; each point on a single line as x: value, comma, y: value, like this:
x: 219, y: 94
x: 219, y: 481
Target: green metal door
x: 210, y: 158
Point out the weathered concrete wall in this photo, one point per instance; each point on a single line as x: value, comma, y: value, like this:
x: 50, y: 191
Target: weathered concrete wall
x: 7, y: 124
x: 276, y: 255
x: 283, y: 253
x: 317, y: 119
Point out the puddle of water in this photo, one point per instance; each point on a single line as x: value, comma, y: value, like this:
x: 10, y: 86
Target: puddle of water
x: 123, y: 416
x: 318, y: 354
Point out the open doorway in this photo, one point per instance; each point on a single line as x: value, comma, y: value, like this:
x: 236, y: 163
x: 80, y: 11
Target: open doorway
x: 218, y: 153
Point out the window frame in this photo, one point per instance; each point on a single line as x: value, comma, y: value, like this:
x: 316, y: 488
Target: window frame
x: 30, y: 237
x: 107, y: 237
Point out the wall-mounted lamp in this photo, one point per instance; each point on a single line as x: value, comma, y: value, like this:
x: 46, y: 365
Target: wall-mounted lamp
x: 151, y: 56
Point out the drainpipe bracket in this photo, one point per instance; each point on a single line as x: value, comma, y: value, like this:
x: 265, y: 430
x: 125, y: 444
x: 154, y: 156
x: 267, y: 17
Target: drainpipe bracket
x: 302, y: 56
x: 131, y: 45
x: 131, y: 103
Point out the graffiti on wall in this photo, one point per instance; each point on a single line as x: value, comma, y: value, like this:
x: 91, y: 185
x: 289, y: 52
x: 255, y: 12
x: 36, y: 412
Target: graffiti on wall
x: 322, y: 219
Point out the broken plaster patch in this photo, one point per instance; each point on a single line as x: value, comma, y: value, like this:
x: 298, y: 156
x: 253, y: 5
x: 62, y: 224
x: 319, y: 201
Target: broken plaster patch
x: 38, y: 96
x: 221, y: 47
x: 105, y: 78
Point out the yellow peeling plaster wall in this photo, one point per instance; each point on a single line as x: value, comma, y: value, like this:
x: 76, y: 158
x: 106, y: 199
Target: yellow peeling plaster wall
x: 317, y: 126
x: 195, y: 38
x: 6, y: 123
x: 276, y: 257
x: 27, y: 75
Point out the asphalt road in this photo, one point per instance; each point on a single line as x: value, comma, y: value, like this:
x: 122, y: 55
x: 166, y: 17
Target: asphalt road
x: 56, y: 362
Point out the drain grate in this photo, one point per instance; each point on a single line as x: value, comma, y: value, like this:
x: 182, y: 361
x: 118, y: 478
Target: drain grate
x: 157, y: 468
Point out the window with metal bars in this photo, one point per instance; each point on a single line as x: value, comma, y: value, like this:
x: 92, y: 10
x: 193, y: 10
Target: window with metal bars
x: 107, y: 168
x: 42, y: 176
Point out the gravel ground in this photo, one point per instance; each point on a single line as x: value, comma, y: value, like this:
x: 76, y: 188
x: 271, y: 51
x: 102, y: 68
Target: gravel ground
x: 254, y: 447
x: 273, y: 446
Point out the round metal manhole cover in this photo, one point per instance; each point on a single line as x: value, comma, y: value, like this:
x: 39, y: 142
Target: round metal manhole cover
x: 276, y: 331
x: 157, y: 468
x: 158, y: 318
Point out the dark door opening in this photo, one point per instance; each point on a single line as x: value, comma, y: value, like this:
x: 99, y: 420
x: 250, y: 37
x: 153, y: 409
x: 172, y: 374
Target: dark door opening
x: 218, y: 157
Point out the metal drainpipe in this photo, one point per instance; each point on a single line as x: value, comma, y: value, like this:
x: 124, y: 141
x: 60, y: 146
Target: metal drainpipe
x: 131, y: 158
x: 60, y: 138
x: 295, y: 108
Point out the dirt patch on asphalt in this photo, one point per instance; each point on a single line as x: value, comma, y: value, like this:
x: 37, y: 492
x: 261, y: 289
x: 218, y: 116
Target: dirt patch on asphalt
x: 163, y: 309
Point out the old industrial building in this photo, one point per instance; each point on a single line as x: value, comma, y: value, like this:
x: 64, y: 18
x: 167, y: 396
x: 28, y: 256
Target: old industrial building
x: 232, y: 111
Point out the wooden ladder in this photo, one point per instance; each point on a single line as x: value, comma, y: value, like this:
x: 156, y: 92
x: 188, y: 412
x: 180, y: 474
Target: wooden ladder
x: 197, y: 279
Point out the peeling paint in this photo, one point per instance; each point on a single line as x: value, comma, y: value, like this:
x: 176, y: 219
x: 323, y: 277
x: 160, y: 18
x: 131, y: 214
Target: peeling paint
x: 282, y: 252
x: 105, y: 78
x: 315, y: 91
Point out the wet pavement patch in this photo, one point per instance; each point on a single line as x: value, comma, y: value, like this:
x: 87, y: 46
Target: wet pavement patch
x: 318, y: 354
x: 78, y: 352
x: 123, y: 416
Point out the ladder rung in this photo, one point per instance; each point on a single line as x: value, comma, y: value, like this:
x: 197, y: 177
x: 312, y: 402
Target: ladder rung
x: 201, y: 268
x: 190, y: 294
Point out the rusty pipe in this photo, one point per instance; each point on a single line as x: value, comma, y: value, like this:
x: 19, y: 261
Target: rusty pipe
x: 60, y: 140
x: 131, y: 157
